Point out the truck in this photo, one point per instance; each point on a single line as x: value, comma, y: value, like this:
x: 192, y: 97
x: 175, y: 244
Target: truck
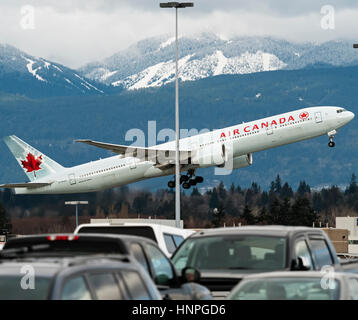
x: 222, y: 257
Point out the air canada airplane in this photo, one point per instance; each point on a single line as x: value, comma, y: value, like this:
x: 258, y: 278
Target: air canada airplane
x: 229, y: 148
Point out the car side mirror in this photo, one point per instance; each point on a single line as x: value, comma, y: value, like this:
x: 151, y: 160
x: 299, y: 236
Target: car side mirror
x: 299, y: 264
x: 190, y: 274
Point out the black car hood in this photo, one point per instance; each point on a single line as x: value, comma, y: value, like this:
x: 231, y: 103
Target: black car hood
x: 224, y: 280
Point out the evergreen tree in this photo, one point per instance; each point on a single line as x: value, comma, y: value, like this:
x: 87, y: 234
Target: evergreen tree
x: 303, y: 188
x: 277, y: 185
x: 214, y: 199
x: 238, y: 189
x: 249, y: 195
x: 286, y: 191
x: 248, y: 216
x: 274, y: 214
x: 195, y: 193
x: 262, y: 218
x: 302, y: 213
x: 222, y: 191
x: 255, y: 188
x: 285, y: 212
x: 264, y: 198
x: 353, y: 187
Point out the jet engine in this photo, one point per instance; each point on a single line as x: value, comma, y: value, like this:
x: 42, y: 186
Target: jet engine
x: 242, y: 161
x: 214, y: 155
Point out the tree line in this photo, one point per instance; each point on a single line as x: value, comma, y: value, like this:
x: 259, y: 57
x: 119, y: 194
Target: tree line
x: 219, y: 206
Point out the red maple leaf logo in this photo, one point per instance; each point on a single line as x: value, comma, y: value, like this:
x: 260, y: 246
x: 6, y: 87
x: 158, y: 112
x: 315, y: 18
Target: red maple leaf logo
x: 304, y: 115
x: 32, y: 164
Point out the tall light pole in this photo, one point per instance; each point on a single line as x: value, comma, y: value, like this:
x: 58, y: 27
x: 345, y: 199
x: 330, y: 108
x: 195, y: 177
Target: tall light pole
x: 76, y: 203
x: 177, y: 5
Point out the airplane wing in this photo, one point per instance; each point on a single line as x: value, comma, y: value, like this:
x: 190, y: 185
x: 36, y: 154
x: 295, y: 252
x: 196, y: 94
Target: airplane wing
x: 29, y: 185
x: 116, y: 148
x: 163, y: 158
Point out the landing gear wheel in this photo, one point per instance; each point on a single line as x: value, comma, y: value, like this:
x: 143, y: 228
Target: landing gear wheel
x: 331, y: 144
x: 199, y: 179
x: 184, y: 179
x: 171, y: 184
x: 186, y: 185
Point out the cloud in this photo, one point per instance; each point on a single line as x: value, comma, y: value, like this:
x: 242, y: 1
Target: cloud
x: 80, y: 31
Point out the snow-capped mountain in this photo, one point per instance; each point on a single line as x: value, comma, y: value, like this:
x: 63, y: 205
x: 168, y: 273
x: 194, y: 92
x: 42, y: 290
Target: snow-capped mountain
x: 19, y: 70
x: 151, y: 62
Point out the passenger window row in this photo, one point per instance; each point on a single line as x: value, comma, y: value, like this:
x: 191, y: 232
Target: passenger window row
x: 126, y: 284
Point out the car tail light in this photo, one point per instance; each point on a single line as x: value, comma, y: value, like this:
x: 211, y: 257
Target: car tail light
x: 62, y: 238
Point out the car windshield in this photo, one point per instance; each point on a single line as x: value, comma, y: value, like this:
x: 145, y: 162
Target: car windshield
x: 248, y: 252
x: 21, y: 287
x: 286, y: 289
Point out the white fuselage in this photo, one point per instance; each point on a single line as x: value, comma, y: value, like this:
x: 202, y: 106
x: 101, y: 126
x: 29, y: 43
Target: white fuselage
x: 245, y: 138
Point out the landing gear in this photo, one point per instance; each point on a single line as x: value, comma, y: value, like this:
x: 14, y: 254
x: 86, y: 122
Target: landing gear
x: 187, y: 180
x: 331, y: 134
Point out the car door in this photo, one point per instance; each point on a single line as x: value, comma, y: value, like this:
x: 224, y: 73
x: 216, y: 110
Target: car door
x: 301, y: 250
x: 162, y: 270
x: 76, y: 288
x: 105, y: 286
x: 321, y: 253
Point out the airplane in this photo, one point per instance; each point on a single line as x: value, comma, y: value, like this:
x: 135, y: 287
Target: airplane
x: 229, y: 148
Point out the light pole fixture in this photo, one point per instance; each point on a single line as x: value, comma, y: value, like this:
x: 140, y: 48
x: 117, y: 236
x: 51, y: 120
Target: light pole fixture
x: 176, y: 5
x: 76, y: 203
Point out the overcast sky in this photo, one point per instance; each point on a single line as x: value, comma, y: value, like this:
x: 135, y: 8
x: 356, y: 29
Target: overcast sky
x: 74, y: 32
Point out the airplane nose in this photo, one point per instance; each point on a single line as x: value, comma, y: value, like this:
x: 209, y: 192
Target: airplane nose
x: 350, y: 115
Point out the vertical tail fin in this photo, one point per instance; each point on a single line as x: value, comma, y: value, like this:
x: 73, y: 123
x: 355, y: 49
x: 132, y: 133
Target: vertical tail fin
x: 35, y: 164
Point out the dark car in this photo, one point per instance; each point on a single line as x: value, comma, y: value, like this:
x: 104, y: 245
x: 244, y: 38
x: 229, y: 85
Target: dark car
x: 171, y: 284
x: 225, y: 255
x: 297, y: 285
x: 76, y: 278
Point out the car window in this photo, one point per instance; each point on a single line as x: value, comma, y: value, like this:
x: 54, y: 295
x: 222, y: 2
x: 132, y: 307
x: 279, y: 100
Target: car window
x: 105, y: 286
x: 178, y: 240
x: 76, y: 289
x: 162, y: 267
x: 169, y: 243
x: 353, y: 288
x: 321, y: 252
x: 138, y: 253
x: 285, y: 289
x: 11, y: 289
x: 135, y: 285
x: 232, y: 252
x: 301, y: 250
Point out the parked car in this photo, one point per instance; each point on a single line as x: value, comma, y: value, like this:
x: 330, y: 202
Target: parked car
x: 170, y: 283
x: 224, y: 256
x: 75, y: 278
x: 168, y: 238
x: 297, y: 285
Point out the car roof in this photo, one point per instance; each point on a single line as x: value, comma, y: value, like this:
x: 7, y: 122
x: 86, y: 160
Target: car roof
x: 49, y: 266
x: 275, y: 230
x: 154, y: 226
x: 294, y: 274
x: 40, y: 238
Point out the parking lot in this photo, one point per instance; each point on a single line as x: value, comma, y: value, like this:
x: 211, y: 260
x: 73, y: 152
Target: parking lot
x: 149, y: 261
